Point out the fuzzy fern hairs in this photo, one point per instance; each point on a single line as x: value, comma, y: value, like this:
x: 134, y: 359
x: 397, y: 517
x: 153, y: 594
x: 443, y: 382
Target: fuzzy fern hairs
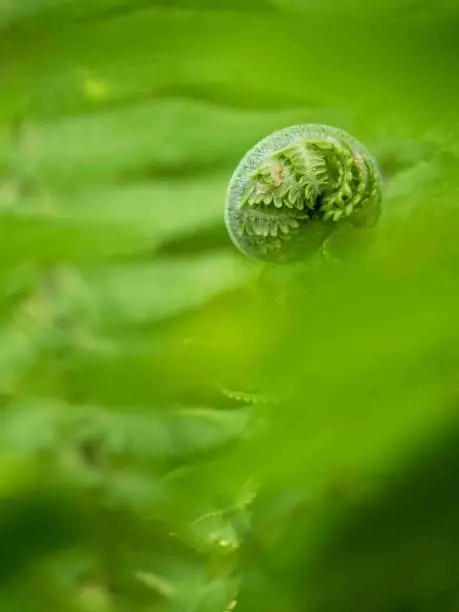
x: 294, y: 188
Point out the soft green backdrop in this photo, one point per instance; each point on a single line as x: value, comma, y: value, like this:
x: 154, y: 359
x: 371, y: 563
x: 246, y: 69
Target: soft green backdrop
x: 181, y: 429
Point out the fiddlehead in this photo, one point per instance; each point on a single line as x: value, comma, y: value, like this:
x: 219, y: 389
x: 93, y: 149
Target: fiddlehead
x: 294, y: 188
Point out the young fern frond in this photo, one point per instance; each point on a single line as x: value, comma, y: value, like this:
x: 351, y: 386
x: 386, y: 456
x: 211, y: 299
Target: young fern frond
x: 299, y: 183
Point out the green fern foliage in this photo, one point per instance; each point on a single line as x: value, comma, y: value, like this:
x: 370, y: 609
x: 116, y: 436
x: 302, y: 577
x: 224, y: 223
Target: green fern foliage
x: 187, y: 429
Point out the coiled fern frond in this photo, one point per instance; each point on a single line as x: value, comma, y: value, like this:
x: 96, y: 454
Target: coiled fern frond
x: 290, y: 192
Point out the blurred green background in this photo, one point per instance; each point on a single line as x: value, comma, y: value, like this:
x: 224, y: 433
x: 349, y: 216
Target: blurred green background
x: 183, y: 430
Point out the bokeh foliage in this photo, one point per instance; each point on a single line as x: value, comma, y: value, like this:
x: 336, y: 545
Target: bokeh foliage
x: 184, y: 430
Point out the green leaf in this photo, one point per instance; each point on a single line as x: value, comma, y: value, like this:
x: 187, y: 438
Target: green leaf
x: 165, y: 288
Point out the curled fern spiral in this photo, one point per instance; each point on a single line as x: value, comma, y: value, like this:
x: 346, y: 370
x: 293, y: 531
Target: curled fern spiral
x: 294, y: 188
